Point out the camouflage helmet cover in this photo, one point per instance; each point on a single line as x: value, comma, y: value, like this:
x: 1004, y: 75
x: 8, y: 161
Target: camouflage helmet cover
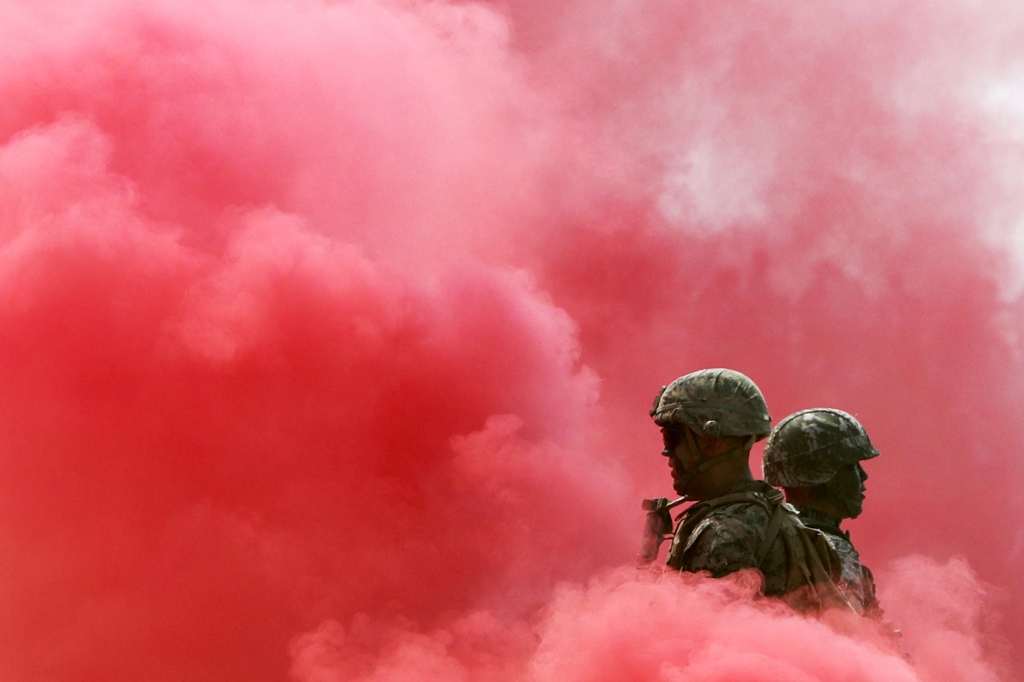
x: 808, y: 448
x: 718, y: 402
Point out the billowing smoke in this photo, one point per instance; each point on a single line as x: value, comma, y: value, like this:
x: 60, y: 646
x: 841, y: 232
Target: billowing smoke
x: 328, y: 330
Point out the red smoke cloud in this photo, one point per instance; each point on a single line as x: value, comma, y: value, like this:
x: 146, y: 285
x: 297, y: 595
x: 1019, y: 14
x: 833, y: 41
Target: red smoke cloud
x: 328, y: 330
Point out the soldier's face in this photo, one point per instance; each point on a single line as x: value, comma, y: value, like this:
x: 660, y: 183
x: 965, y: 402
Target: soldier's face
x: 681, y: 459
x: 845, y: 491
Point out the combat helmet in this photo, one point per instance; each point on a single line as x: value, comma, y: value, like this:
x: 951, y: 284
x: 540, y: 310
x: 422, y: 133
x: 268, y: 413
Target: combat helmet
x: 716, y: 402
x: 809, y: 447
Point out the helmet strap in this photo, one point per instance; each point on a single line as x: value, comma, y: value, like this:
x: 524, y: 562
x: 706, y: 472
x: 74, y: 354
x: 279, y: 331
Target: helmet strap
x: 741, y: 451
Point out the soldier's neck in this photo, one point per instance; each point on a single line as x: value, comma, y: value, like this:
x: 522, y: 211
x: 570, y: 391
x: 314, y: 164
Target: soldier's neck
x: 816, y: 516
x: 804, y: 498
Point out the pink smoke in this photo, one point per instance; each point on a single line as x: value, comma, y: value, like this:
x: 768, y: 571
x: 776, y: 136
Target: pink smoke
x: 329, y: 329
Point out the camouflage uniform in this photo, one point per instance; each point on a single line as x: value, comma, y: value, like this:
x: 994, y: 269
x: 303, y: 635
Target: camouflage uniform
x: 856, y: 575
x: 725, y: 538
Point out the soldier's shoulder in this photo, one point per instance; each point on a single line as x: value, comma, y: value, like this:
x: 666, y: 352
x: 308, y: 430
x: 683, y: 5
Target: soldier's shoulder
x: 742, y: 510
x: 842, y: 544
x: 734, y: 521
x: 744, y: 513
x: 725, y: 539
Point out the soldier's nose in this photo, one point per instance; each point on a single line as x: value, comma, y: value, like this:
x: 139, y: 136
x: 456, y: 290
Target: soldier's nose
x: 666, y: 453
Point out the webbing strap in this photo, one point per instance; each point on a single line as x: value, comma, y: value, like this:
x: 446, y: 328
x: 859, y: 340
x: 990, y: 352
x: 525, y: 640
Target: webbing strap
x: 744, y: 496
x: 738, y: 453
x: 771, y: 531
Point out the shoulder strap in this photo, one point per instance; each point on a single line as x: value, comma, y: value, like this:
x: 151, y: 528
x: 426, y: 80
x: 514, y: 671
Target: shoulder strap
x: 771, y: 531
x: 747, y: 496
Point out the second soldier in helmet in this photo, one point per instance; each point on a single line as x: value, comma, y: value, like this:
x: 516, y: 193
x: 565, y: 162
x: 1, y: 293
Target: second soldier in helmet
x: 815, y: 456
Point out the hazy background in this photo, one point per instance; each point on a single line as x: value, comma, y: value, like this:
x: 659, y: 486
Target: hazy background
x: 328, y: 331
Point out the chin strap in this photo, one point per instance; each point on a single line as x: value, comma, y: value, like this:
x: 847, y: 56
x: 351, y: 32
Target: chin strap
x: 740, y: 451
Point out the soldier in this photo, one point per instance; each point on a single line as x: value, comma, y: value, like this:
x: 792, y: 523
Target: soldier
x: 815, y: 456
x: 709, y: 421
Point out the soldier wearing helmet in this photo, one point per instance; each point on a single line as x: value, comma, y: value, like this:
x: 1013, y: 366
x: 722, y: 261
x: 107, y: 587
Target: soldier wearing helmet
x: 815, y: 456
x: 709, y: 420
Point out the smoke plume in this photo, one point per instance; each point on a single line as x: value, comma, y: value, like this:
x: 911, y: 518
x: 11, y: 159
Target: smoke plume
x: 328, y: 330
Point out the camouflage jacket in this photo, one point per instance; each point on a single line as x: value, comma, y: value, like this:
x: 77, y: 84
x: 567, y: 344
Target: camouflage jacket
x: 858, y: 578
x: 723, y: 538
